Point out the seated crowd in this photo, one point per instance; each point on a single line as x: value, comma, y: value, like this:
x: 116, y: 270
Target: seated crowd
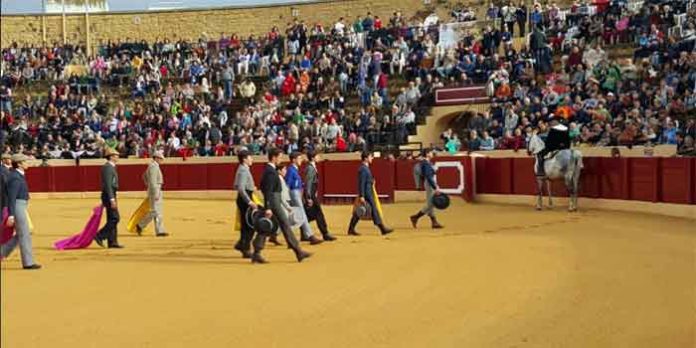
x: 649, y: 99
x: 354, y: 85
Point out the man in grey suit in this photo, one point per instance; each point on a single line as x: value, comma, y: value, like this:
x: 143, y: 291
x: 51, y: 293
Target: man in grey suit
x: 17, y: 203
x: 154, y: 181
x: 109, y: 183
x: 272, y: 187
x: 244, y: 185
x: 311, y: 197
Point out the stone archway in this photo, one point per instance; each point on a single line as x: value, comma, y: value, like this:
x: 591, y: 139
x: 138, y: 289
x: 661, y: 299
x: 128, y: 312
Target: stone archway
x: 443, y: 117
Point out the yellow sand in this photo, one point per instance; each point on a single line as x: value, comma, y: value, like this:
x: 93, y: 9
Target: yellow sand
x: 497, y: 276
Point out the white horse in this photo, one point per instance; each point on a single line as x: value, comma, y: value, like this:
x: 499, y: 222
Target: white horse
x: 566, y: 165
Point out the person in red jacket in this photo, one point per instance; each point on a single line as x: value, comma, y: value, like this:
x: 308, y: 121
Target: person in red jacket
x: 288, y: 85
x: 341, y: 145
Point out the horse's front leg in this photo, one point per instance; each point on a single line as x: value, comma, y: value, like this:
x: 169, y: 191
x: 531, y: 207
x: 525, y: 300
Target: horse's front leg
x: 571, y: 185
x: 548, y: 188
x: 540, y: 193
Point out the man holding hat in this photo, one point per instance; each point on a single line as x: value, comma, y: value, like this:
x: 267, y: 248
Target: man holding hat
x: 17, y: 203
x: 109, y: 183
x: 427, y: 174
x: 244, y: 185
x: 367, y: 195
x: 272, y: 187
x: 153, y: 181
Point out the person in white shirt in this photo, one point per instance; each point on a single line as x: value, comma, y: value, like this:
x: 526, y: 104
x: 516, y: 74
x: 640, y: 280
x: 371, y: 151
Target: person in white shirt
x: 243, y: 65
x: 408, y: 117
x: 339, y: 27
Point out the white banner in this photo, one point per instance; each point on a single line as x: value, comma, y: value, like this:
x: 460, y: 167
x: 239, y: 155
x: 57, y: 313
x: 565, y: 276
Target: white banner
x: 452, y: 33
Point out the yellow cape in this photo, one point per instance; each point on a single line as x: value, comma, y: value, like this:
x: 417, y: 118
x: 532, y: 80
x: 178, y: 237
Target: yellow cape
x: 238, y: 216
x: 138, y: 215
x: 31, y: 224
x: 378, y: 205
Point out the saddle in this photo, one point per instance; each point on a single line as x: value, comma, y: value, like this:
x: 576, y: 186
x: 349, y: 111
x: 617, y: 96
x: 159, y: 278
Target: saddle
x: 552, y: 154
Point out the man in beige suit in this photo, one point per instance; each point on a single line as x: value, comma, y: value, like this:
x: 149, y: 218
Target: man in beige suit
x: 154, y: 181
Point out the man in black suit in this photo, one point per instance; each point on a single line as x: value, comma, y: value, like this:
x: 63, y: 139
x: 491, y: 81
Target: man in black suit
x: 109, y: 183
x: 272, y: 188
x: 366, y: 195
x: 311, y: 197
x: 4, y: 173
x: 17, y: 203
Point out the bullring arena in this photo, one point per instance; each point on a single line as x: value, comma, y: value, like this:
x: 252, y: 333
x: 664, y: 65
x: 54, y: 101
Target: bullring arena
x: 497, y: 275
x: 108, y: 105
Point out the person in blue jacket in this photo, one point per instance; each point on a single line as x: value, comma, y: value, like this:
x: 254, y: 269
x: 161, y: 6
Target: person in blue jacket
x: 366, y: 195
x: 427, y: 176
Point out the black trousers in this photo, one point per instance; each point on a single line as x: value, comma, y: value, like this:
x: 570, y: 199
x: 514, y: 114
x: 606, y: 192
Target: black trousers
x: 316, y: 213
x: 247, y: 232
x: 110, y: 230
x: 376, y: 218
x: 510, y: 26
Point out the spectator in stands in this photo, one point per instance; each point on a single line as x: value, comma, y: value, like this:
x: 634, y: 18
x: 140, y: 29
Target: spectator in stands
x: 487, y: 143
x: 453, y: 144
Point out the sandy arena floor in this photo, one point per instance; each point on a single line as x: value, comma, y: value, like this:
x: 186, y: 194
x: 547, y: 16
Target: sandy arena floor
x: 497, y: 276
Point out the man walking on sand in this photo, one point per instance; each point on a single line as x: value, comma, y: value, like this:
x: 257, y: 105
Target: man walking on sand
x: 427, y: 175
x: 311, y: 197
x: 368, y: 195
x: 109, y: 183
x: 154, y: 181
x: 272, y: 187
x: 17, y: 203
x: 294, y: 182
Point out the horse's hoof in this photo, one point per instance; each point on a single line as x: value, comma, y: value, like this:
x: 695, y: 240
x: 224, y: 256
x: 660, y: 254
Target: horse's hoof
x: 538, y: 208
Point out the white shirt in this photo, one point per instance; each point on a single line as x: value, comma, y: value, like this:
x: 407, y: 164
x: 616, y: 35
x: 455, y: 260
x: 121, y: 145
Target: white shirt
x: 339, y: 27
x: 536, y: 145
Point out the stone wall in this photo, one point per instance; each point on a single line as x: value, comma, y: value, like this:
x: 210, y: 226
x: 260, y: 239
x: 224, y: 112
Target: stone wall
x: 190, y: 24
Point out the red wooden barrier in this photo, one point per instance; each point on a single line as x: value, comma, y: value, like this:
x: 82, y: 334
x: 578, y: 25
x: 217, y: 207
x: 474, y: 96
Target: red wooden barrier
x: 693, y: 181
x: 614, y: 178
x: 39, y: 179
x: 676, y: 181
x: 171, y: 177
x: 523, y: 178
x: 671, y: 180
x: 643, y: 179
x: 66, y: 179
x: 498, y: 175
x: 91, y: 178
x: 221, y: 176
x: 591, y: 178
x: 403, y: 175
x: 130, y: 178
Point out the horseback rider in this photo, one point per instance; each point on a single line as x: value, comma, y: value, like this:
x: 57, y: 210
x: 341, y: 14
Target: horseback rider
x: 557, y: 138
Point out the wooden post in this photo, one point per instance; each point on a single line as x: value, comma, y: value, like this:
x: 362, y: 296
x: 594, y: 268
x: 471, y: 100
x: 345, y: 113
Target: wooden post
x: 65, y: 34
x: 88, y: 43
x: 43, y: 27
x: 43, y: 21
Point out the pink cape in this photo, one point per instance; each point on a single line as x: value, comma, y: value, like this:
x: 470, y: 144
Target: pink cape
x: 5, y: 232
x: 84, y: 238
